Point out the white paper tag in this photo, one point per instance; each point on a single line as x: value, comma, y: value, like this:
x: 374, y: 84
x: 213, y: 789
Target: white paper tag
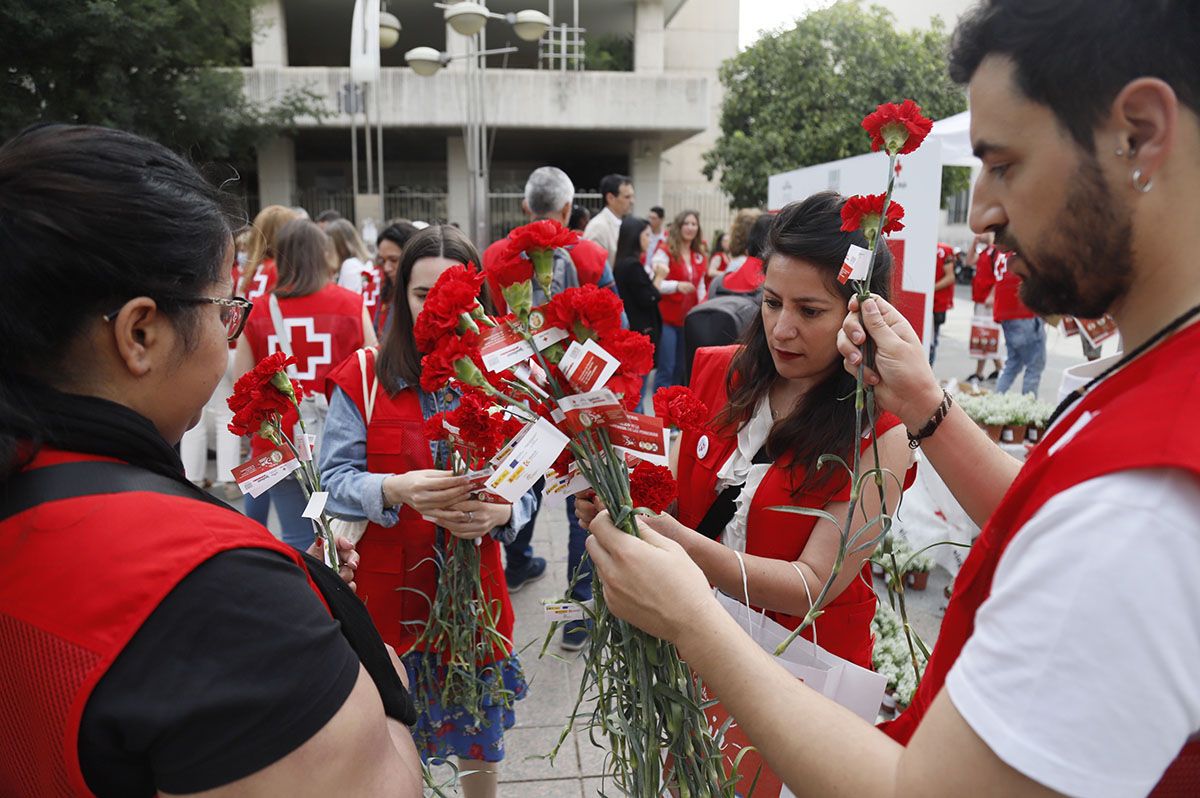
x: 535, y: 450
x: 257, y: 475
x: 549, y: 337
x: 531, y: 378
x: 305, y: 444
x: 854, y: 267
x: 316, y: 505
x: 557, y: 490
x: 588, y: 366
x: 502, y: 348
x: 563, y: 611
x: 264, y: 482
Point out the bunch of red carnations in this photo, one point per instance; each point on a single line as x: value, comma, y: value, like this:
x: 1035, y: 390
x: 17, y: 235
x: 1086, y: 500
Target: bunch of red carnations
x: 266, y: 403
x: 552, y: 390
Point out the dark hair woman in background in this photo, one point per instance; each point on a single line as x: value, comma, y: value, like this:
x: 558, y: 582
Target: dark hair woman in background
x: 637, y: 288
x: 153, y: 640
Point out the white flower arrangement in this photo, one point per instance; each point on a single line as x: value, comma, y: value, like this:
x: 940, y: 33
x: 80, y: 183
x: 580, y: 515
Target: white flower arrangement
x: 1005, y: 409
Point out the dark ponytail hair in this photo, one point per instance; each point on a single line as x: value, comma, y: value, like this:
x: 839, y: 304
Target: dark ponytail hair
x: 823, y: 421
x: 90, y: 218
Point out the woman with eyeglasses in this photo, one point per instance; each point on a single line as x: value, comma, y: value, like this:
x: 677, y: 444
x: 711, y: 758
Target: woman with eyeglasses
x: 153, y: 640
x: 321, y: 324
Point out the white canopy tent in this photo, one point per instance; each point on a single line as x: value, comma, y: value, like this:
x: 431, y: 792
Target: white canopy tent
x: 954, y: 132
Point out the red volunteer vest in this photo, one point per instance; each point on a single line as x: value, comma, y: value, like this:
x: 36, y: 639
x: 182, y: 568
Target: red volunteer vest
x: 264, y: 281
x: 372, y: 284
x: 104, y: 563
x: 590, y: 259
x: 326, y: 328
x: 845, y: 627
x: 1144, y: 417
x: 991, y: 269
x: 943, y: 298
x: 397, y: 570
x: 690, y: 270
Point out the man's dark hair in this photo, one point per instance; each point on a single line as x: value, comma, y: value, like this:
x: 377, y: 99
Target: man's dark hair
x: 611, y: 184
x: 328, y: 215
x: 1074, y: 56
x: 658, y: 209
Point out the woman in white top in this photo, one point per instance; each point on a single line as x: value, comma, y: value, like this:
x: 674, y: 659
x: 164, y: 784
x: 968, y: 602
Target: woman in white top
x: 351, y: 254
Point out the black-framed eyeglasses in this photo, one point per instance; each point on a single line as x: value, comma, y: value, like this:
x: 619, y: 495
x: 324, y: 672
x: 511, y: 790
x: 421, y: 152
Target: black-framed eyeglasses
x: 234, y: 312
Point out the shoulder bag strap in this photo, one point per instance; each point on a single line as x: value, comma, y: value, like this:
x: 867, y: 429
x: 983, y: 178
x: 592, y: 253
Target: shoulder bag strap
x: 281, y: 330
x: 368, y: 395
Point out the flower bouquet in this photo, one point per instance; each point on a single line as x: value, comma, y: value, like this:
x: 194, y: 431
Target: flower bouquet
x: 266, y: 403
x: 568, y: 376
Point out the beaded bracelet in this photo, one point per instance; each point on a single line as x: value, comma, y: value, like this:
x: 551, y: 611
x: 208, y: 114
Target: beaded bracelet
x: 931, y: 426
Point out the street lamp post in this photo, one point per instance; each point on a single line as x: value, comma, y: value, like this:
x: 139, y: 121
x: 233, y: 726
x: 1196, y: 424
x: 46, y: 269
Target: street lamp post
x: 371, y: 29
x: 469, y: 19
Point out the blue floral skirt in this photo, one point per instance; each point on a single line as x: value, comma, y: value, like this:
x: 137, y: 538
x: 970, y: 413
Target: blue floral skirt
x: 445, y: 731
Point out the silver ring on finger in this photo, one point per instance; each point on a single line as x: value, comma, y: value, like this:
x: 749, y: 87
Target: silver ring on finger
x: 470, y: 516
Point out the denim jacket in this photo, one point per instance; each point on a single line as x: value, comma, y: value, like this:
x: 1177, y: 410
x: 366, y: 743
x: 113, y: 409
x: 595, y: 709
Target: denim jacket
x: 356, y: 493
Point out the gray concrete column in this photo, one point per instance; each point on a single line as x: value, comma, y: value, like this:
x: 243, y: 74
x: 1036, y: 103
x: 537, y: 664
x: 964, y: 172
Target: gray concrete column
x: 277, y: 172
x: 645, y: 167
x: 269, y: 45
x: 648, y: 37
x: 458, y: 178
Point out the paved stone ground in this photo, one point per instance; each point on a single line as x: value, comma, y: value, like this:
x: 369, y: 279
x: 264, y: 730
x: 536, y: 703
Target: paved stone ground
x: 553, y: 679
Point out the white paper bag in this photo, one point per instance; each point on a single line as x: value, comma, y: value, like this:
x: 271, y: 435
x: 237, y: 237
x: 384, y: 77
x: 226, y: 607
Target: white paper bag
x: 854, y: 687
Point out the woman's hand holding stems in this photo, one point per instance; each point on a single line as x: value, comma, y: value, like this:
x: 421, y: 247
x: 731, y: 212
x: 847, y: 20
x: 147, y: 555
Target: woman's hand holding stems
x: 447, y: 499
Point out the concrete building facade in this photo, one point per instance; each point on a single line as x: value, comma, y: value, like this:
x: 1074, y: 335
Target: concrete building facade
x: 652, y: 119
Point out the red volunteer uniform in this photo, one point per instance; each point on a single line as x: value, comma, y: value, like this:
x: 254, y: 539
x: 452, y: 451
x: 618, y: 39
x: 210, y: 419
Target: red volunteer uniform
x: 690, y: 269
x: 943, y: 298
x: 991, y: 271
x: 1120, y: 436
x: 589, y: 259
x: 68, y: 624
x: 845, y: 627
x: 326, y: 327
x: 372, y: 284
x: 588, y: 256
x: 397, y: 564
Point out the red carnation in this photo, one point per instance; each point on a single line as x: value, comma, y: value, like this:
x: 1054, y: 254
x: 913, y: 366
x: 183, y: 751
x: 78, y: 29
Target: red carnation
x: 455, y: 293
x: 453, y: 358
x: 510, y: 268
x: 652, y: 486
x: 679, y: 407
x: 265, y: 394
x: 863, y: 211
x: 634, y: 350
x: 540, y: 235
x: 898, y: 129
x: 434, y: 429
x: 585, y: 312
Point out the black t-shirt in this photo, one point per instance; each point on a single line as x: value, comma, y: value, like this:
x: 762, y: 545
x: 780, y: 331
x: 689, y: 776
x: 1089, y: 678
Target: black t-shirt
x: 238, y: 667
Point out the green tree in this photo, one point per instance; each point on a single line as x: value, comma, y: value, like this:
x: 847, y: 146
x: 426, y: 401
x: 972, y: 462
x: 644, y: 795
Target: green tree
x: 154, y: 67
x: 796, y: 97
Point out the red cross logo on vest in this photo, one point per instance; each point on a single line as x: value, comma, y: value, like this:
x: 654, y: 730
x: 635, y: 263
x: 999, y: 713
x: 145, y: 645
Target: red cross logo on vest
x: 1000, y: 265
x: 259, y: 287
x: 370, y: 288
x: 311, y: 348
